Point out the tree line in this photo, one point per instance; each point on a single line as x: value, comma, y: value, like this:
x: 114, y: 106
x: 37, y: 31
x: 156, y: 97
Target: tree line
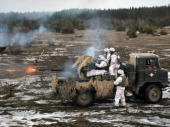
x: 141, y: 19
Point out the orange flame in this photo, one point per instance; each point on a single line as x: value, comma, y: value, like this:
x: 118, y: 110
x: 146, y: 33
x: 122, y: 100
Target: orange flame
x: 11, y: 70
x: 30, y: 70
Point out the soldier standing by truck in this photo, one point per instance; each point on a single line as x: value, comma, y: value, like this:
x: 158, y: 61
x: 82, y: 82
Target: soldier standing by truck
x: 114, y: 65
x: 120, y: 83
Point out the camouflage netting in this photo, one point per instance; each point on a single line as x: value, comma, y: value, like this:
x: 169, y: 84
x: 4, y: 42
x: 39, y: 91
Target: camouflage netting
x: 81, y: 86
x: 67, y: 90
x: 132, y: 59
x: 103, y: 88
x: 82, y: 62
x: 80, y: 59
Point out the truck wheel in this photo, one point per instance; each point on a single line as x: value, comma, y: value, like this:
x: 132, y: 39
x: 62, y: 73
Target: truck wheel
x: 153, y: 94
x: 84, y: 99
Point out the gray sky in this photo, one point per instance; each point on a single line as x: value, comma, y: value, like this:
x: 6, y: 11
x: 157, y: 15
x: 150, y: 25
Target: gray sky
x: 57, y: 5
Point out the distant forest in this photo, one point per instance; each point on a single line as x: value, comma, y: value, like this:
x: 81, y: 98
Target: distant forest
x: 66, y: 21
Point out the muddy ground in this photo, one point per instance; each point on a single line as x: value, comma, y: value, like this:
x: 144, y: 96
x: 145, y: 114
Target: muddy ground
x: 26, y: 99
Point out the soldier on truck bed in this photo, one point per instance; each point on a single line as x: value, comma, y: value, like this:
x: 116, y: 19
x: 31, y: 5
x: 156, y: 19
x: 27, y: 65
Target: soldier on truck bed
x: 101, y: 67
x: 107, y: 55
x: 114, y: 62
x: 103, y: 64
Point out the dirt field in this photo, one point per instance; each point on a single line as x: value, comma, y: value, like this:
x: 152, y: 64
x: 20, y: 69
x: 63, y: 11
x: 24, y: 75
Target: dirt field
x: 26, y: 99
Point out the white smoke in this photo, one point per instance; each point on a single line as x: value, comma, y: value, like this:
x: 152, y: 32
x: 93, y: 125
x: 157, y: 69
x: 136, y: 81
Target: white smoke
x: 22, y: 39
x: 90, y: 51
x: 41, y: 29
x: 3, y: 28
x: 99, y: 44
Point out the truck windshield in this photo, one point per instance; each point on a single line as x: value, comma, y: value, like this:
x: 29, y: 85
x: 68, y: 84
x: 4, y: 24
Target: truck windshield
x: 151, y: 64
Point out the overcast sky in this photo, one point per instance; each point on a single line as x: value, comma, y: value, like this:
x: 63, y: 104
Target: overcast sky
x: 57, y: 5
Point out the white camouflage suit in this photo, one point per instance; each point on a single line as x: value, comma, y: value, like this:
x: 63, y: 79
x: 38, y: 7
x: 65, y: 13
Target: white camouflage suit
x: 107, y: 55
x: 102, y: 64
x: 114, y: 65
x: 120, y: 90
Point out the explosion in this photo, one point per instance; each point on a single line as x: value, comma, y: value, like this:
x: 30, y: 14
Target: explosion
x: 30, y: 70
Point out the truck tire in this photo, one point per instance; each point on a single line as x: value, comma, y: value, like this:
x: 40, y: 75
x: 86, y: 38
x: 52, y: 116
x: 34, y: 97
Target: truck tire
x: 85, y: 99
x: 153, y: 94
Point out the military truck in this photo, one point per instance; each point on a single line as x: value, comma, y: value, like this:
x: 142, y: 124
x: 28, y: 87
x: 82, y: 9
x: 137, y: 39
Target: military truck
x: 144, y: 74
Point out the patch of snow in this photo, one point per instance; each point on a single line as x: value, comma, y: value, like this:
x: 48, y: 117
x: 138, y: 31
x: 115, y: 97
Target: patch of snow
x: 60, y: 49
x: 46, y: 79
x: 166, y: 92
x: 167, y: 50
x: 4, y: 64
x: 146, y: 121
x: 47, y: 101
x: 27, y: 97
x: 41, y: 102
x: 168, y: 55
x: 2, y: 96
x: 40, y: 91
x: 69, y: 45
x: 118, y: 118
x: 167, y: 27
x: 154, y: 105
x: 30, y: 59
x: 26, y: 80
x: 55, y: 54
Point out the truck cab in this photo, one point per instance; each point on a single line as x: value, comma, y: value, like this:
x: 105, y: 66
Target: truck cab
x: 150, y: 77
x: 148, y: 69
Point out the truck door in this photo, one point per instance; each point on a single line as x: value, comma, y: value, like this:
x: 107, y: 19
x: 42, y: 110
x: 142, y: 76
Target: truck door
x: 151, y: 70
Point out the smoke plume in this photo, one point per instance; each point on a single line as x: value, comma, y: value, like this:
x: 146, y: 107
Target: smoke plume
x: 22, y: 39
x: 98, y: 46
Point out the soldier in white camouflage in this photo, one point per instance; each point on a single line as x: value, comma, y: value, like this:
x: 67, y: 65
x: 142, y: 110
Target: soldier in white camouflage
x: 107, y: 55
x: 114, y: 63
x: 120, y: 83
x: 101, y: 67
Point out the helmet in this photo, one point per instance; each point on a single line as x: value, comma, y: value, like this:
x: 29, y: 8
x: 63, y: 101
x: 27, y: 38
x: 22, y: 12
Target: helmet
x: 106, y: 50
x: 112, y: 49
x: 101, y: 57
x: 120, y: 71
